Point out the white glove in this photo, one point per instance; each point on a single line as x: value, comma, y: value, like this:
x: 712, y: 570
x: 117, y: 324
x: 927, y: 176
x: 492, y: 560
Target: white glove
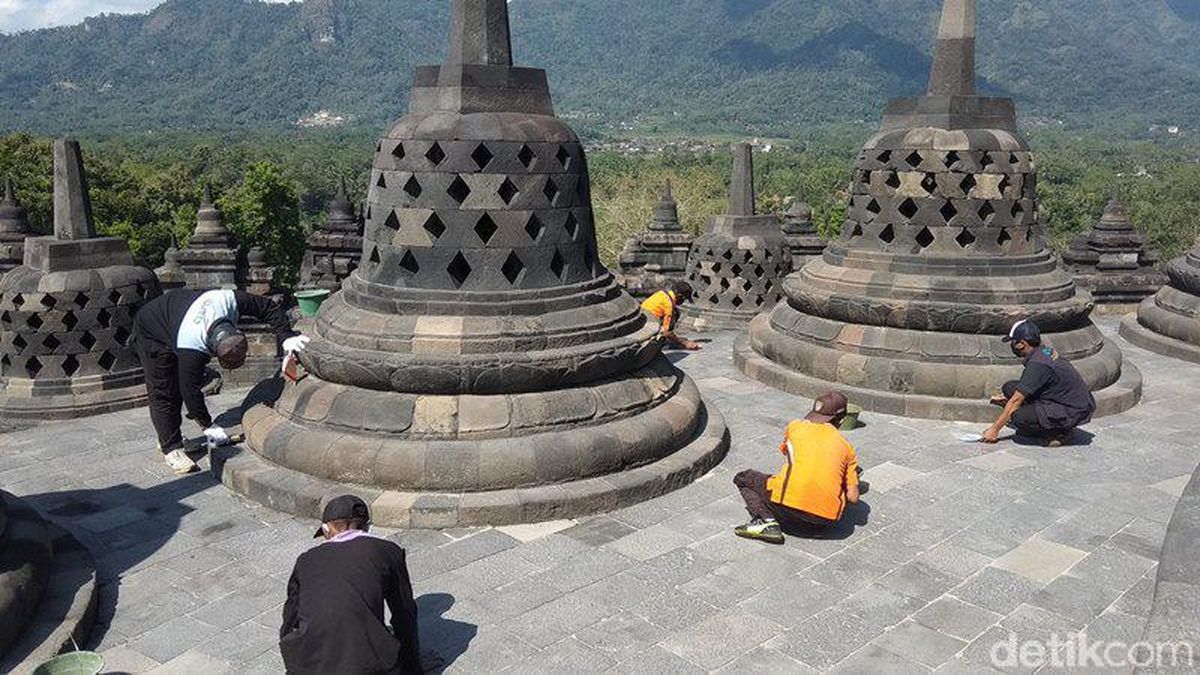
x: 216, y: 436
x: 295, y: 344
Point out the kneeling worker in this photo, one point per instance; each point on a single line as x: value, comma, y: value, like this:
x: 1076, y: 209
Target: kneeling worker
x: 663, y: 306
x: 177, y: 335
x: 1049, y: 400
x: 818, y: 479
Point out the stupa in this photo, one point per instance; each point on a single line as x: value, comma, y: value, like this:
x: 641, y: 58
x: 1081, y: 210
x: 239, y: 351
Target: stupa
x: 14, y: 227
x: 334, y: 249
x: 170, y: 274
x: 481, y: 366
x: 658, y: 256
x: 210, y: 260
x: 801, y: 234
x: 736, y: 268
x: 66, y: 315
x: 1169, y: 321
x: 941, y: 253
x: 263, y: 359
x: 1113, y: 263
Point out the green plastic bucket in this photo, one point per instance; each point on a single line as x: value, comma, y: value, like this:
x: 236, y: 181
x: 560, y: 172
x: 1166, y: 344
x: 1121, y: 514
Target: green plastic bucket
x: 310, y: 301
x: 74, y: 663
x: 850, y: 422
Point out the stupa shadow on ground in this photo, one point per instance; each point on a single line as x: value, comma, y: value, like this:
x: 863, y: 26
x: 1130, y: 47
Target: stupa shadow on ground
x: 963, y: 544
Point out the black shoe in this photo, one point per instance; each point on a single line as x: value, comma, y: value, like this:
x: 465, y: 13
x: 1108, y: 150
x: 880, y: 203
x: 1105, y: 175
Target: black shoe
x: 761, y: 530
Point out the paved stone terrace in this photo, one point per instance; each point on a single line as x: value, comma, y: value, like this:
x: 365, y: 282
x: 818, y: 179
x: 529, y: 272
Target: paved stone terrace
x: 956, y: 546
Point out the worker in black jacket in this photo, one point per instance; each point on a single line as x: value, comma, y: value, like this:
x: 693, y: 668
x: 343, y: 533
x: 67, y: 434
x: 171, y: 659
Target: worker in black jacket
x: 333, y: 617
x: 177, y: 335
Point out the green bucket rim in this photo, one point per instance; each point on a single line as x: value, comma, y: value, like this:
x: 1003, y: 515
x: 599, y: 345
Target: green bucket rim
x: 313, y: 294
x: 89, y: 662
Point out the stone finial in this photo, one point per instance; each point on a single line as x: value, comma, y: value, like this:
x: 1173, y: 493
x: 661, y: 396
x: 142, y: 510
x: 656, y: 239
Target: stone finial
x: 954, y: 55
x: 210, y: 228
x: 741, y: 184
x: 340, y: 209
x: 72, y: 203
x: 666, y: 212
x: 13, y: 220
x: 479, y: 33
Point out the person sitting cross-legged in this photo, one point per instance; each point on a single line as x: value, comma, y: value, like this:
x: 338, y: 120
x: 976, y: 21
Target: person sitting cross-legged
x: 663, y: 307
x: 818, y: 479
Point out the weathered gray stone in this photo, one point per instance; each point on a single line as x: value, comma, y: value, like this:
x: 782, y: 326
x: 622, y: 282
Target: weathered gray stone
x: 334, y: 249
x: 654, y: 258
x: 14, y: 227
x: 1113, y: 262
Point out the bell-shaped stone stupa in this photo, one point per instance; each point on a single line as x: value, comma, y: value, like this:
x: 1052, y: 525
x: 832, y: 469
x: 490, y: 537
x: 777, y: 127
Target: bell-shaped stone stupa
x: 66, y: 315
x: 210, y: 260
x: 481, y: 366
x: 737, y: 267
x: 658, y: 256
x: 1113, y: 263
x: 940, y: 254
x: 1169, y: 322
x: 334, y: 249
x: 801, y: 234
x: 14, y: 227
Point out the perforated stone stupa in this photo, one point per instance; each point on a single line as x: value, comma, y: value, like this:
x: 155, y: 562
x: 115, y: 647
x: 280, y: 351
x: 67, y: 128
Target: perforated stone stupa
x: 940, y: 254
x: 334, y: 249
x: 1113, y: 263
x: 658, y: 256
x: 481, y: 366
x: 801, y: 234
x: 66, y: 315
x: 1169, y: 321
x: 14, y: 227
x: 737, y: 267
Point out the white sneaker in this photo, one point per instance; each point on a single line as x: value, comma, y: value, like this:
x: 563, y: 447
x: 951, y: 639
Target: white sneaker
x: 180, y: 463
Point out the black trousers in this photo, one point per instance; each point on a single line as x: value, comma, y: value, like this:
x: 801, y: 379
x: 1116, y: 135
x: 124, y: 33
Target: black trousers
x: 1026, y: 420
x: 753, y: 487
x: 161, y: 369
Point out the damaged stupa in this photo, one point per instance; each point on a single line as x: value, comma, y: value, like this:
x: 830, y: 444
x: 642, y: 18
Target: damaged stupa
x: 940, y: 254
x: 801, y: 234
x: 658, y: 256
x: 66, y: 315
x: 1169, y: 321
x: 14, y: 228
x: 334, y: 249
x: 481, y: 366
x: 736, y: 268
x: 1113, y: 262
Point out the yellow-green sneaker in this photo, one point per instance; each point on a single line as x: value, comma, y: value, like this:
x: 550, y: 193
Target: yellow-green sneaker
x: 761, y: 530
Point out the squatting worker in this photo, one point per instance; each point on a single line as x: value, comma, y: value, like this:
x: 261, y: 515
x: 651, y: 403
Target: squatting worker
x: 1049, y: 400
x: 663, y: 307
x: 333, y: 616
x: 178, y: 334
x: 819, y: 477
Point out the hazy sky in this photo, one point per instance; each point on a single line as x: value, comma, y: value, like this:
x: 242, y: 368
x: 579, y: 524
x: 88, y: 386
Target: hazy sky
x: 21, y: 14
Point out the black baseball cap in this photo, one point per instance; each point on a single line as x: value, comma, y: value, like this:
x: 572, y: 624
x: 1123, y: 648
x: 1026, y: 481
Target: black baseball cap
x: 828, y: 407
x: 1024, y: 330
x: 346, y: 507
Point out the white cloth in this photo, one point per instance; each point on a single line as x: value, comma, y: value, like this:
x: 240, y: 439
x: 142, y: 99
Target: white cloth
x: 208, y: 309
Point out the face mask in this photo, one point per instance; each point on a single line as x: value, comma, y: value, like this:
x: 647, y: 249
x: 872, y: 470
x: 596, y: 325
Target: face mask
x: 1016, y: 350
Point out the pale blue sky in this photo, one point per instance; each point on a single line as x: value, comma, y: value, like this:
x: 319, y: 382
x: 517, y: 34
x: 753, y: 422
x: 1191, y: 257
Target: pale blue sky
x: 22, y: 14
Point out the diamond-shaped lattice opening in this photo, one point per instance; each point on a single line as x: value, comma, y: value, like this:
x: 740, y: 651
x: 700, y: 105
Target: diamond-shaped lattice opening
x: 724, y: 284
x: 924, y: 238
x: 103, y: 318
x: 884, y: 157
x: 949, y: 211
x: 965, y: 238
x: 892, y: 181
x: 34, y: 321
x: 759, y: 271
x: 987, y: 160
x: 929, y: 183
x: 728, y: 255
x: 114, y: 297
x: 486, y: 229
x: 534, y: 227
x: 968, y: 183
x: 398, y: 151
x: 864, y: 177
x: 857, y: 231
x: 1005, y: 184
x: 20, y: 343
x: 374, y: 257
x: 908, y: 208
x: 413, y: 187
x: 1012, y: 159
x: 746, y: 256
x: 434, y: 226
x: 768, y: 285
x: 106, y: 360
x: 381, y: 181
x: 951, y: 159
x: 5, y: 362
x: 716, y: 267
x: 121, y: 335
x: 737, y: 301
x: 736, y: 270
x: 1004, y: 237
x: 874, y: 207
x: 914, y: 159
x: 1029, y: 234
x: 758, y: 301
x: 571, y: 225
x: 526, y: 156
x: 459, y: 269
x: 5, y: 318
x: 33, y: 366
x: 766, y: 254
x: 70, y: 365
x: 508, y: 191
x: 1017, y: 209
x: 51, y: 342
x: 747, y: 286
x: 551, y: 190
x: 482, y: 156
x: 18, y: 300
x: 435, y: 154
x: 512, y: 268
x: 369, y: 212
x: 563, y: 157
x: 888, y: 235
x: 459, y: 190
x: 408, y: 263
x: 558, y: 265
x: 49, y: 301
x: 70, y: 320
x: 393, y: 222
x: 81, y: 300
x: 986, y: 212
x: 88, y: 341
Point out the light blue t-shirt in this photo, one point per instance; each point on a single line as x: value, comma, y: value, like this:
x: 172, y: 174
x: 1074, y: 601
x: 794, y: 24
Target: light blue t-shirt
x: 208, y: 309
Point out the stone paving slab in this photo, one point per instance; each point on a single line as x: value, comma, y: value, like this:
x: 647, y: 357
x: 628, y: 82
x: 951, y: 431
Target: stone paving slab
x: 956, y: 546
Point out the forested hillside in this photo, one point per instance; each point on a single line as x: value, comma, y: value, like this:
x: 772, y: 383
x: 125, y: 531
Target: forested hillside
x: 769, y: 67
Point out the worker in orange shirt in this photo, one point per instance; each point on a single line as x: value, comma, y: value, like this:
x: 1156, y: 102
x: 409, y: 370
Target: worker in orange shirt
x: 663, y: 307
x: 812, y: 489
